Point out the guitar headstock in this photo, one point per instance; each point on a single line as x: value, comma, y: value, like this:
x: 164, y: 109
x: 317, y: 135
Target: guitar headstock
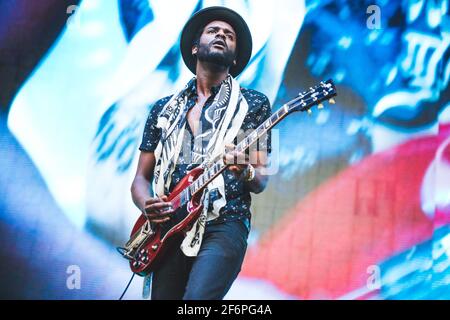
x: 324, y: 91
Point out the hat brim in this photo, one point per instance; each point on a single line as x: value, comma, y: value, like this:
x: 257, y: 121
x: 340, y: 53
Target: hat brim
x: 205, y: 16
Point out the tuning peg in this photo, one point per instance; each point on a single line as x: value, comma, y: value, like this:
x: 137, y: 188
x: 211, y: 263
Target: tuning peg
x: 309, y: 112
x: 332, y: 101
x: 320, y: 106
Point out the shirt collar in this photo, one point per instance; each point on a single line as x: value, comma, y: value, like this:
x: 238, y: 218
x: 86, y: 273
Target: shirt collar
x: 192, y: 88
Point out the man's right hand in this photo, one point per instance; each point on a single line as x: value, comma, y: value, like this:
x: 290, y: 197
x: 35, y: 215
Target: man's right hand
x: 158, y: 210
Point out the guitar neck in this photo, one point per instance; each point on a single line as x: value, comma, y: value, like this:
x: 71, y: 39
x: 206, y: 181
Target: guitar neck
x: 304, y: 101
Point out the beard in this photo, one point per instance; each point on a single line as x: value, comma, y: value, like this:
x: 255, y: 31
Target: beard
x: 222, y: 59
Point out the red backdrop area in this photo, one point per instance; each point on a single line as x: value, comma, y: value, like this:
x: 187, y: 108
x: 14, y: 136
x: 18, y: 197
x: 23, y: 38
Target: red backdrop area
x: 371, y: 211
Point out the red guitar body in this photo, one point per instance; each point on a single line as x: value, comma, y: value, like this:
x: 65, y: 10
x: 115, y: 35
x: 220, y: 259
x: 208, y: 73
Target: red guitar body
x: 151, y: 240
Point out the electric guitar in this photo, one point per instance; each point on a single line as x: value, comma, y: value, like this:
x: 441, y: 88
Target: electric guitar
x: 148, y: 240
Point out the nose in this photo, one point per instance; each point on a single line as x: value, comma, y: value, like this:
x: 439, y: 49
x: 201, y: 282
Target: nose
x: 221, y: 34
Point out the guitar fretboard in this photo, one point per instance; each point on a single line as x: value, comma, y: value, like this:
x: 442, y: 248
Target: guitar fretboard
x: 301, y: 103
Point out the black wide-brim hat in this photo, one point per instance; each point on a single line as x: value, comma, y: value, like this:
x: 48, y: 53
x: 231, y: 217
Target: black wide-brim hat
x: 200, y: 19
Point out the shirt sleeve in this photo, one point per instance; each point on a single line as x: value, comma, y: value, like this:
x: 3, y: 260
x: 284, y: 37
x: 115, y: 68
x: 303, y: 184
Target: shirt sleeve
x: 152, y: 134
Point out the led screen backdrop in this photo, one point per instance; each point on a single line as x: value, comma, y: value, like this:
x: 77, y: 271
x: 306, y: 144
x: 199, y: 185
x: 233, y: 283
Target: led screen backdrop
x: 358, y: 206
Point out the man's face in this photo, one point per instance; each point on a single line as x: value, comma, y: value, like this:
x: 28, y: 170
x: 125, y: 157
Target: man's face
x: 217, y: 44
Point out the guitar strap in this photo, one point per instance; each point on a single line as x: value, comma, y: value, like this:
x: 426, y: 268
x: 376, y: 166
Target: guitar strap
x: 226, y: 115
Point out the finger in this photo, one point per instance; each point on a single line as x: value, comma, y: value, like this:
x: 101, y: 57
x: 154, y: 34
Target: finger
x: 230, y: 146
x: 157, y: 206
x: 160, y: 220
x: 150, y: 201
x: 162, y: 204
x: 156, y: 199
x: 236, y: 158
x: 229, y: 159
x: 160, y: 208
x: 158, y: 215
x: 166, y: 211
x: 241, y: 158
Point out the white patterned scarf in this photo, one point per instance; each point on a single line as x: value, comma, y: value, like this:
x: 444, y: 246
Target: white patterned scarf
x: 226, y: 115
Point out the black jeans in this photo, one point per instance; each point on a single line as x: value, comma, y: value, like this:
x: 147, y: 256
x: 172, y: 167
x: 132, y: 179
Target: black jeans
x: 210, y: 274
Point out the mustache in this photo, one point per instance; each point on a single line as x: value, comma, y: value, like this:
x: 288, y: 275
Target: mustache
x: 219, y: 41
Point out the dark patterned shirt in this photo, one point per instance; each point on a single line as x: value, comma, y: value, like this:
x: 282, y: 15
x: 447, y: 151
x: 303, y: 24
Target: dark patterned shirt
x: 236, y: 192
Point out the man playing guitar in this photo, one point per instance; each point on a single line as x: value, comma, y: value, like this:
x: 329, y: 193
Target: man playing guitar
x: 183, y: 131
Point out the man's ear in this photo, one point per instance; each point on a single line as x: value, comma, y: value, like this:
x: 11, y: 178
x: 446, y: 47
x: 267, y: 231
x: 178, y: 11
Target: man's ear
x: 194, y: 50
x: 234, y: 62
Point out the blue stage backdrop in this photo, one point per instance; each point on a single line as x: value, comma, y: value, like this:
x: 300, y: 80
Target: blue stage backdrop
x: 357, y: 207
